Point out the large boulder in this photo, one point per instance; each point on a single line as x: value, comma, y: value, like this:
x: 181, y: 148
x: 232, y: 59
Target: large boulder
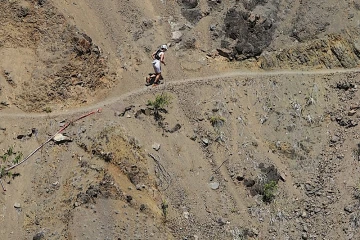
x: 251, y: 33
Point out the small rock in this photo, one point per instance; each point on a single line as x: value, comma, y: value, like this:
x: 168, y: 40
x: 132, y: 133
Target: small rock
x: 175, y: 128
x: 221, y: 221
x: 128, y: 116
x: 147, y: 112
x: 34, y: 131
x: 304, y: 236
x: 156, y: 146
x: 255, y: 231
x: 176, y: 36
x: 38, y: 236
x: 252, y: 18
x: 349, y: 209
x: 95, y: 167
x: 334, y: 139
x: 60, y: 138
x: 128, y: 198
x: 17, y: 205
x: 240, y: 178
x: 128, y: 108
x: 21, y: 136
x: 272, y: 230
x: 205, y: 141
x: 193, y: 137
x: 352, y: 123
x: 282, y: 176
x: 249, y: 182
x: 186, y: 215
x: 351, y: 113
x: 4, y: 103
x: 214, y: 185
x: 142, y: 207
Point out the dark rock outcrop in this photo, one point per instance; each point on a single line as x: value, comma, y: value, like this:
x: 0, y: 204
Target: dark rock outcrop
x: 246, y: 34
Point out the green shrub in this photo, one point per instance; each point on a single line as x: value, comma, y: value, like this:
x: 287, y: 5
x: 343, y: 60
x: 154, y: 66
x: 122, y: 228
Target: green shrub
x: 160, y: 101
x: 269, y: 191
x: 47, y: 110
x: 217, y: 121
x: 164, y: 208
x: 18, y: 158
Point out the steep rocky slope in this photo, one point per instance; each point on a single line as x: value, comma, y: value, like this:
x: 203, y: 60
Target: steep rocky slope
x: 65, y: 53
x: 229, y: 155
x: 46, y: 60
x: 200, y: 171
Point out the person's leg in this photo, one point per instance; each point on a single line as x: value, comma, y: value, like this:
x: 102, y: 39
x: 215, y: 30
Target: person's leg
x: 157, y: 78
x: 157, y: 69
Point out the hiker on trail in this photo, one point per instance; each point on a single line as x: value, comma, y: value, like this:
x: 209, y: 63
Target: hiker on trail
x: 158, y: 58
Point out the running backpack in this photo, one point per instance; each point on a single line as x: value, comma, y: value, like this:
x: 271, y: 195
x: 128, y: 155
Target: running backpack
x: 157, y: 55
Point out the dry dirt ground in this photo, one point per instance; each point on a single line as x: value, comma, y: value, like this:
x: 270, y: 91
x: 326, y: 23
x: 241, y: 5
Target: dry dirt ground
x: 236, y: 153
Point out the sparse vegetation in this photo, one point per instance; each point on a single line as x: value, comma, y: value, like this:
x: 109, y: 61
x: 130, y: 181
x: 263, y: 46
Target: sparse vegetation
x: 2, y: 172
x: 47, y: 110
x: 7, y: 154
x: 310, y: 101
x: 221, y: 119
x: 164, y: 208
x: 18, y: 158
x: 240, y: 234
x: 296, y: 106
x: 10, y: 152
x: 356, y: 193
x: 217, y: 121
x: 356, y: 152
x: 269, y: 190
x: 161, y: 101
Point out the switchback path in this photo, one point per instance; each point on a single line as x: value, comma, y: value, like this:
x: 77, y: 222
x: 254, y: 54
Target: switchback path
x: 144, y: 90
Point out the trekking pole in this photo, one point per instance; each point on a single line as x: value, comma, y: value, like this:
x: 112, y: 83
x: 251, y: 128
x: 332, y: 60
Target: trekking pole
x: 62, y: 129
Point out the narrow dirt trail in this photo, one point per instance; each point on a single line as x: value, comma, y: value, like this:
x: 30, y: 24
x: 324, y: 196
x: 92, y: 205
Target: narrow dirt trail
x: 144, y: 90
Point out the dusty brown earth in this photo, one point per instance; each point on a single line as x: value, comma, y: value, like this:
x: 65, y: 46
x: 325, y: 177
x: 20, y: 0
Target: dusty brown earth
x: 259, y: 139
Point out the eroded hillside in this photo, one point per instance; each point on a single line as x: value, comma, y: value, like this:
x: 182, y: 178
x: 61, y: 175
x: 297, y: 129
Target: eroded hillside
x: 202, y: 169
x: 47, y: 61
x: 214, y: 153
x: 59, y: 54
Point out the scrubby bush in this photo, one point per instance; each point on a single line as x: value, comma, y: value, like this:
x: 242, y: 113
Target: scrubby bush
x: 160, y: 101
x: 269, y: 190
x: 217, y: 121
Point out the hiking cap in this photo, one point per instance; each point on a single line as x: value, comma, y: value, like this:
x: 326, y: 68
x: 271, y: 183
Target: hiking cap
x: 164, y: 47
